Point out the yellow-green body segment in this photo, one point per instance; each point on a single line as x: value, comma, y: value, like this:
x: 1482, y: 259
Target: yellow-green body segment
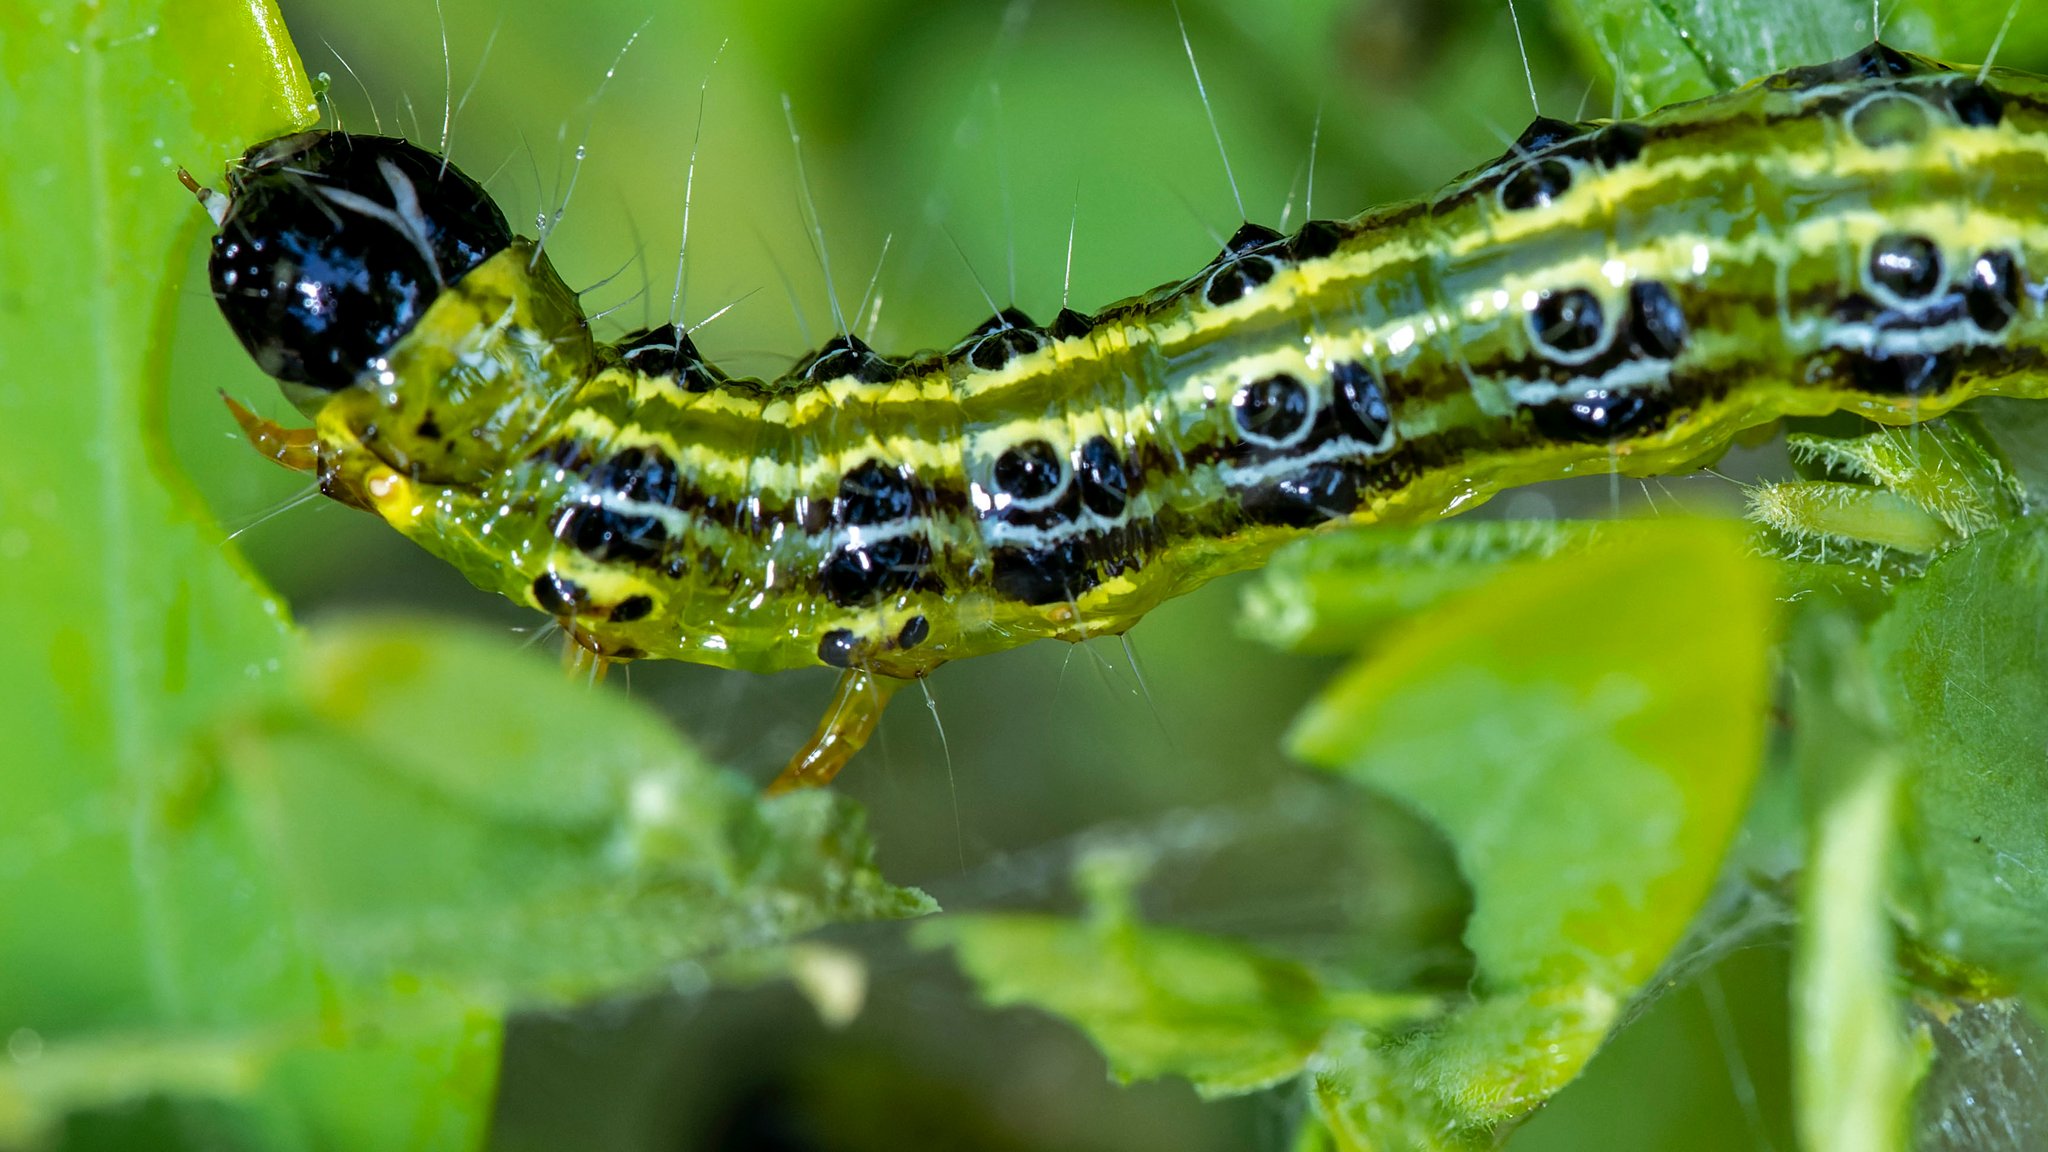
x: 1869, y: 235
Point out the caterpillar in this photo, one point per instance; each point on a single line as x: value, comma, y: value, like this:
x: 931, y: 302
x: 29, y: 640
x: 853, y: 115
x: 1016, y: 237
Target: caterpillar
x: 1621, y: 296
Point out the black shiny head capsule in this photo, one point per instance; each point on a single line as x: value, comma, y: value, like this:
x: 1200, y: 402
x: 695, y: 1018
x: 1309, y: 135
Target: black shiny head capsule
x: 334, y: 245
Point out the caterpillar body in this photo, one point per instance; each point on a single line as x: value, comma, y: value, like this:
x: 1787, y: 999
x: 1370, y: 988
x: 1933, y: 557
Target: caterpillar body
x: 1864, y: 235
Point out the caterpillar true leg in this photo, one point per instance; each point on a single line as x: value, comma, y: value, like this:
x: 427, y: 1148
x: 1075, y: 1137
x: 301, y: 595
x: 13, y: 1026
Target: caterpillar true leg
x: 581, y: 663
x: 296, y: 448
x: 857, y: 706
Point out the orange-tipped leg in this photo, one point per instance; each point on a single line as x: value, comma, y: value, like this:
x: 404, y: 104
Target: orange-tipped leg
x: 296, y: 448
x: 856, y: 708
x: 583, y: 663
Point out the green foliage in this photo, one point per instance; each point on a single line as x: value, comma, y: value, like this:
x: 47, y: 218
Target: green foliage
x: 266, y: 889
x: 1588, y: 760
x: 1334, y: 594
x: 1663, y: 51
x: 304, y: 881
x: 1160, y: 1002
x: 1856, y: 1067
x: 1960, y: 654
x: 1571, y: 729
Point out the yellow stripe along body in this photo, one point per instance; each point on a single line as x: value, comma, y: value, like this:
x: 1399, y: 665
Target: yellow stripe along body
x: 1869, y: 235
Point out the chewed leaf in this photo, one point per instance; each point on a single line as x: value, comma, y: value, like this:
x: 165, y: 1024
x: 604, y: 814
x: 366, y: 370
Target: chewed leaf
x: 1161, y: 1002
x: 438, y: 809
x: 1157, y: 1002
x: 445, y: 831
x: 1585, y: 734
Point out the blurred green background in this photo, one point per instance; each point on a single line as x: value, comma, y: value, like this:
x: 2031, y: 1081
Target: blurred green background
x: 967, y: 137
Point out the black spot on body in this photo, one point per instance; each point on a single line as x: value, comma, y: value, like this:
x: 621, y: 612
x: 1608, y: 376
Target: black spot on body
x: 1656, y: 324
x: 1907, y: 266
x: 314, y: 280
x: 1245, y: 263
x: 838, y: 648
x: 1542, y: 133
x: 1045, y: 575
x: 1600, y: 416
x: 1901, y: 374
x: 1535, y: 185
x: 1881, y: 61
x: 874, y: 493
x: 558, y: 595
x: 1992, y: 293
x: 1361, y: 406
x: 564, y: 455
x: 1974, y: 105
x: 1273, y: 407
x: 1618, y: 145
x: 1069, y: 325
x: 1876, y: 62
x: 1105, y: 484
x: 1232, y: 280
x: 645, y: 475
x: 632, y: 608
x: 608, y: 534
x: 1030, y: 471
x: 668, y: 352
x: 1318, y: 493
x: 861, y: 574
x: 1001, y: 338
x: 1249, y: 237
x: 914, y: 632
x: 812, y: 515
x: 992, y: 352
x: 428, y: 429
x: 1316, y: 240
x: 846, y: 356
x: 1567, y: 322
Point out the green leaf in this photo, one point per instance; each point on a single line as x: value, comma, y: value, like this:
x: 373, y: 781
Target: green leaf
x: 1585, y: 733
x: 1157, y: 1002
x: 1665, y: 51
x: 422, y: 831
x: 1365, y: 1102
x: 437, y: 810
x: 1339, y: 591
x: 1959, y: 660
x: 1160, y: 1002
x: 1854, y: 1069
x: 2019, y: 431
x: 303, y: 885
x: 142, y: 623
